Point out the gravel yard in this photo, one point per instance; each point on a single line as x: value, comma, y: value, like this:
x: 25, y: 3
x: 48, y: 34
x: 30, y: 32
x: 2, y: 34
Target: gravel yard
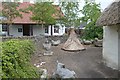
x: 86, y: 64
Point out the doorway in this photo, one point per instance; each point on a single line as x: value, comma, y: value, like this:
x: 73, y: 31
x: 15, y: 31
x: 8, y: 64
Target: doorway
x: 26, y: 30
x: 51, y: 30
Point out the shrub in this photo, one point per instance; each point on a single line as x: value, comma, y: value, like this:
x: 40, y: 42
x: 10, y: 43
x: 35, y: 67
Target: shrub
x: 92, y: 32
x: 16, y: 59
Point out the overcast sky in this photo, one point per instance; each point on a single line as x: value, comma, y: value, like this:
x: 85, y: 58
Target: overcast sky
x: 104, y: 3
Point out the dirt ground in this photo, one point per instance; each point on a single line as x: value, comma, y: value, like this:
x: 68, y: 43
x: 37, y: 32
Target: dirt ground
x: 86, y: 64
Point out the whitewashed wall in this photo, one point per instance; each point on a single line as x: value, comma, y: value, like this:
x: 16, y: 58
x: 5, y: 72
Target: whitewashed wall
x: 62, y: 29
x: 110, y: 46
x: 37, y: 30
x: 13, y: 30
x: 119, y: 48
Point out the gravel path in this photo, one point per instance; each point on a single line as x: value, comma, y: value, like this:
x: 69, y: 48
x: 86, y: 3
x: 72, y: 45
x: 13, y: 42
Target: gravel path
x: 86, y: 64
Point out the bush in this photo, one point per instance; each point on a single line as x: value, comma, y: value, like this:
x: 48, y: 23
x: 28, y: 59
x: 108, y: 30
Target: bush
x: 16, y: 59
x: 91, y: 32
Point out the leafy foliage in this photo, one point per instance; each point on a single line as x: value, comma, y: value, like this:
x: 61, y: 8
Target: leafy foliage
x: 15, y: 59
x: 10, y: 11
x: 71, y: 11
x: 0, y: 61
x: 42, y: 12
x: 91, y: 12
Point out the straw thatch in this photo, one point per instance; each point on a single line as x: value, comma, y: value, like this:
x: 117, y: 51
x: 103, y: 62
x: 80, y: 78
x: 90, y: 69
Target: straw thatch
x: 73, y: 43
x: 111, y: 15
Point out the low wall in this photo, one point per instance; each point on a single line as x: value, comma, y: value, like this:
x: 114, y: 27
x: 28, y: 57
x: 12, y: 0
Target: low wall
x: 36, y: 38
x: 6, y: 38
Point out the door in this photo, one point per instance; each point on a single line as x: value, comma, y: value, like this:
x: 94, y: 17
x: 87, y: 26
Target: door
x: 26, y: 30
x: 51, y: 30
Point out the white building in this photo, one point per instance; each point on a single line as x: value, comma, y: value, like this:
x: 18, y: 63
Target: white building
x: 26, y: 27
x: 110, y: 19
x: 34, y: 30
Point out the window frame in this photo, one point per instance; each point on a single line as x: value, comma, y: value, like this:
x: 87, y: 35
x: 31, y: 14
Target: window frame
x: 4, y: 27
x: 20, y: 30
x: 56, y: 29
x: 46, y: 29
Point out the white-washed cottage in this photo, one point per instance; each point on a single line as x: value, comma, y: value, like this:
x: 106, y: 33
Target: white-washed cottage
x: 110, y: 19
x: 26, y: 27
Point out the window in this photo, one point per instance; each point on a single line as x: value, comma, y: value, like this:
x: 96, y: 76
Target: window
x: 19, y: 29
x: 56, y: 29
x: 4, y: 27
x: 46, y: 29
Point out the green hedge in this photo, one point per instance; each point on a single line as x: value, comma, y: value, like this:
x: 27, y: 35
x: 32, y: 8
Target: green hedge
x: 16, y: 59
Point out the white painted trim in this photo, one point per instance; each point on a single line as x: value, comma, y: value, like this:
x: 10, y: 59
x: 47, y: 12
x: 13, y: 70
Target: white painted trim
x: 49, y: 31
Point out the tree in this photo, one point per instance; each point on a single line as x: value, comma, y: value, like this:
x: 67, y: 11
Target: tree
x: 42, y: 13
x: 10, y: 11
x: 71, y: 19
x: 91, y: 12
x: 71, y: 13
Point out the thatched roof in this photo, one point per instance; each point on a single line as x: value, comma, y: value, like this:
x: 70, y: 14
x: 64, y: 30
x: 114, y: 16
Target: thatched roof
x: 111, y: 15
x: 73, y: 43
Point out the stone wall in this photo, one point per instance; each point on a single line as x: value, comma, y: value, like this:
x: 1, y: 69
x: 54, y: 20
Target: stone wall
x: 36, y: 38
x: 38, y: 41
x: 6, y: 38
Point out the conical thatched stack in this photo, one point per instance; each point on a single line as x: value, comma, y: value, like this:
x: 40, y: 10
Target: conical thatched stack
x: 73, y: 43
